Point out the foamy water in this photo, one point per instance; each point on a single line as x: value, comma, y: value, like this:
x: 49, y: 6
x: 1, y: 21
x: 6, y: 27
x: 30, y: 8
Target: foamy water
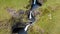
x: 26, y: 28
x: 30, y: 15
x: 34, y: 1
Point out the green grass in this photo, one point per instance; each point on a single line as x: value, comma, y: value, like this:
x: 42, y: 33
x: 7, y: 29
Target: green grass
x: 50, y: 26
x: 5, y: 16
x: 15, y: 4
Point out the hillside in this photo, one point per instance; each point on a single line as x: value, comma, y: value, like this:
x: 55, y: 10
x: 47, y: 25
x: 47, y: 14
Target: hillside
x: 48, y: 22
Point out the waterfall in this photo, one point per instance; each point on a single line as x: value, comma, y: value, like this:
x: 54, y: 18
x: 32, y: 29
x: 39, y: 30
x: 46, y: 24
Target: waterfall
x: 30, y: 16
x: 26, y: 27
x: 34, y: 2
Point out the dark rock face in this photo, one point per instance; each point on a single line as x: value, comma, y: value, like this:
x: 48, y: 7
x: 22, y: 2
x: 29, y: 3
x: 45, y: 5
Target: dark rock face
x: 17, y: 27
x: 22, y: 31
x: 19, y: 31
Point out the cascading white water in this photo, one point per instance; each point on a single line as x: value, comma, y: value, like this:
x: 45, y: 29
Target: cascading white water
x: 30, y: 16
x: 34, y: 2
x: 26, y: 27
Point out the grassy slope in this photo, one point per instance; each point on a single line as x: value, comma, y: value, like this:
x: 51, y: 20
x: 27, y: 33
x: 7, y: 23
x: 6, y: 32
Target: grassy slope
x: 16, y: 4
x: 50, y: 26
x: 4, y: 15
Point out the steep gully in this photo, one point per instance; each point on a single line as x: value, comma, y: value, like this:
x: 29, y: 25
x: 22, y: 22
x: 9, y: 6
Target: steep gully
x: 31, y: 18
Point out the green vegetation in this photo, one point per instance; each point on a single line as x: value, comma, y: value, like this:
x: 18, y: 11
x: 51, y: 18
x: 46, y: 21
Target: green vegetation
x: 48, y: 23
x: 5, y: 16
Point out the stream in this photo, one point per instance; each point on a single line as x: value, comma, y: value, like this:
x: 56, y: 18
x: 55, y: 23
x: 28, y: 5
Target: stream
x: 31, y: 18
